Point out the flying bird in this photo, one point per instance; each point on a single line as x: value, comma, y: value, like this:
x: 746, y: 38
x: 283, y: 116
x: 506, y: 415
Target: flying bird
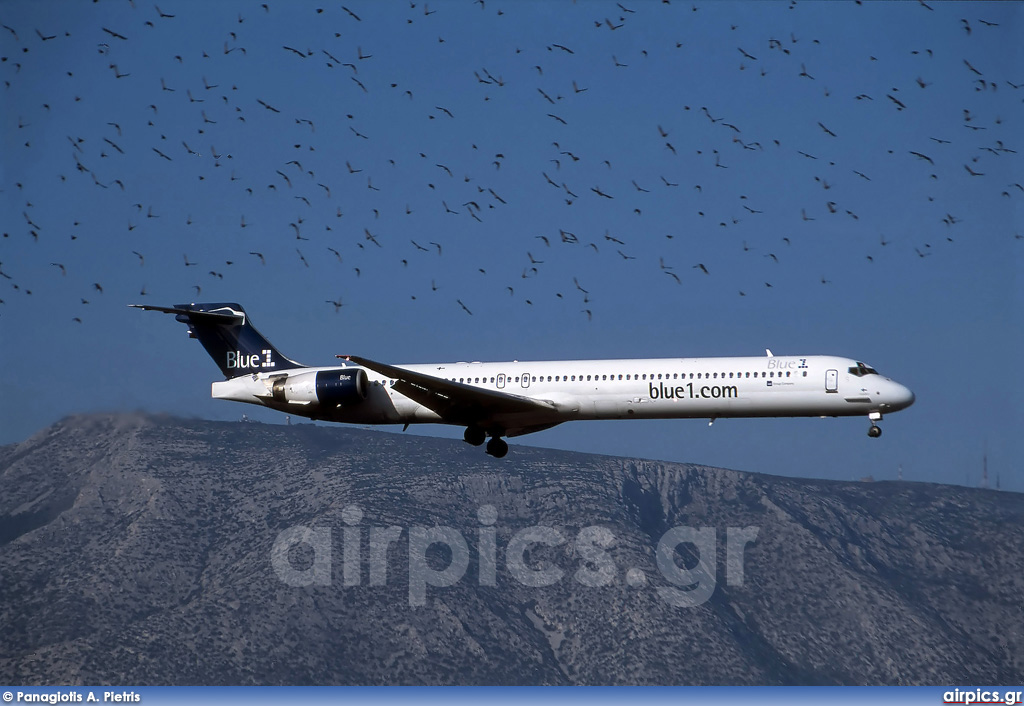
x: 899, y: 105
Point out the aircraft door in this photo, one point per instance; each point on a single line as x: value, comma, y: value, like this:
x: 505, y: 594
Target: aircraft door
x: 501, y: 380
x: 526, y: 379
x: 831, y: 381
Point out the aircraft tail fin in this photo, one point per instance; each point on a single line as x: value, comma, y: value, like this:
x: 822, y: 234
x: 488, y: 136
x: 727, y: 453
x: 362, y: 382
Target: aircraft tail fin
x: 229, y: 337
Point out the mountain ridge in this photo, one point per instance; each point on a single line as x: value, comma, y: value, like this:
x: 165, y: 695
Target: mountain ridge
x: 140, y: 548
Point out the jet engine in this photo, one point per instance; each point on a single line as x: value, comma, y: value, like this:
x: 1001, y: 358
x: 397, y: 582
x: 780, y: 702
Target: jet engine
x: 344, y: 387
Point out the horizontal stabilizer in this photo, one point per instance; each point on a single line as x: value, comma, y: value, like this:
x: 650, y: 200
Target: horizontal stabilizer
x: 208, y: 315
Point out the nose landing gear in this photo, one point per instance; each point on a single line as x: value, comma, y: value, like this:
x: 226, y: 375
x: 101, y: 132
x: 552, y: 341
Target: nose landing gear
x: 875, y: 431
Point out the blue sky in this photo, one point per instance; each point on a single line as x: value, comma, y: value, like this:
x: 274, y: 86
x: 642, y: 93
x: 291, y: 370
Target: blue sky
x: 774, y: 143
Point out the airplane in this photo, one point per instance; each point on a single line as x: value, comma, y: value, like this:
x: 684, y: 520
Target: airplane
x: 513, y: 398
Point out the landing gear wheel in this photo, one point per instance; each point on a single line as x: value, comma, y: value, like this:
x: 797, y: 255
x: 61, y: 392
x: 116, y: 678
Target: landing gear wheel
x: 475, y: 436
x: 875, y: 431
x: 497, y: 447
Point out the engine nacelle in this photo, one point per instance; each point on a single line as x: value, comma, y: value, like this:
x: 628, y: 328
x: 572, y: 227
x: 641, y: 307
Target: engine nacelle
x: 344, y: 386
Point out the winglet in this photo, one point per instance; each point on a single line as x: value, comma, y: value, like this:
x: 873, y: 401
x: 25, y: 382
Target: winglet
x: 769, y: 352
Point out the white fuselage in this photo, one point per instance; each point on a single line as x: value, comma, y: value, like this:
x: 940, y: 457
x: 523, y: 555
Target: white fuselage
x: 659, y: 388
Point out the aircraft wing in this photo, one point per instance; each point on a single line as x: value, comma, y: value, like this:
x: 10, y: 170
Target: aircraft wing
x: 454, y: 401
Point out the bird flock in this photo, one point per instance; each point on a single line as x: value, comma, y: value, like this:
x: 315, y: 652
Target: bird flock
x: 486, y: 159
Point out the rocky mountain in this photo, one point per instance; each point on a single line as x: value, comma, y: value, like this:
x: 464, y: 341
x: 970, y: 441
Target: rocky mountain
x: 140, y: 549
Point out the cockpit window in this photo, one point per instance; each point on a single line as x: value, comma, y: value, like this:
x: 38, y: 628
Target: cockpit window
x: 860, y: 370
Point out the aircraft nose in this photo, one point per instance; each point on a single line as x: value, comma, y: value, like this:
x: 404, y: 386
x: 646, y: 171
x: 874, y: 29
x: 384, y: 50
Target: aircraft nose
x: 902, y: 397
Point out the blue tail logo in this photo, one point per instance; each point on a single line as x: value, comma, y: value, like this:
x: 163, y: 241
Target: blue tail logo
x: 229, y: 337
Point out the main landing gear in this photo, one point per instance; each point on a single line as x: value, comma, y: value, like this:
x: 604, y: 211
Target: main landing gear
x: 497, y: 447
x: 875, y: 431
x: 476, y: 436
